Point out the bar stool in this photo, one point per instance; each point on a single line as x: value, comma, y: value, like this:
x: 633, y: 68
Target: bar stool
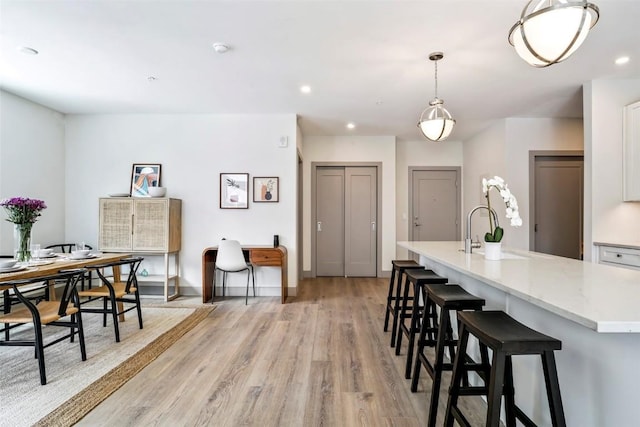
x: 506, y: 337
x: 395, y: 287
x: 416, y: 279
x: 449, y: 298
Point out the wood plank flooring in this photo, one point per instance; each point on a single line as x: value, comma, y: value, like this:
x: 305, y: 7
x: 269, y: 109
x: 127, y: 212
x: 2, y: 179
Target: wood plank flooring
x: 320, y: 360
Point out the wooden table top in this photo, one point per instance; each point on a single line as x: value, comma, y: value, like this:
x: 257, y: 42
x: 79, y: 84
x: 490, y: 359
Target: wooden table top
x: 59, y: 263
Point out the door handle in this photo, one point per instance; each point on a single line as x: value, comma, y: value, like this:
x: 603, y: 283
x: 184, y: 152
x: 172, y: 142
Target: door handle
x: 373, y: 226
x: 417, y: 224
x: 319, y: 226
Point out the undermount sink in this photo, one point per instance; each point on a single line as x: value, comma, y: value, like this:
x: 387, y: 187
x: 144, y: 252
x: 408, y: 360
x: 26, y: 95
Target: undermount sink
x: 503, y: 255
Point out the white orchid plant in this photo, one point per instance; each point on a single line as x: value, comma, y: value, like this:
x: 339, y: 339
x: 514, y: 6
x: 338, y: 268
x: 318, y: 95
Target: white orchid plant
x: 496, y: 233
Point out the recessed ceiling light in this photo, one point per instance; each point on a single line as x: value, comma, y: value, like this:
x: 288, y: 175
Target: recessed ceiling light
x: 220, y: 47
x: 351, y: 125
x: 622, y: 60
x: 27, y: 50
x: 305, y: 89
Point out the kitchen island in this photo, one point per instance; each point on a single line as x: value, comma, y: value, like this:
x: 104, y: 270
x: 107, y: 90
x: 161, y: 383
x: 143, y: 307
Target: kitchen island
x: 594, y: 309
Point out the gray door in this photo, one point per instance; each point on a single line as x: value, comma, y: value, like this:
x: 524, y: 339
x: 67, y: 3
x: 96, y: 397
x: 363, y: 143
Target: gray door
x: 558, y: 205
x: 360, y: 221
x: 330, y: 221
x: 346, y: 223
x: 435, y: 205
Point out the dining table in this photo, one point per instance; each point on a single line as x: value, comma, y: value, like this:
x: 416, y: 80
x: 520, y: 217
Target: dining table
x: 48, y: 266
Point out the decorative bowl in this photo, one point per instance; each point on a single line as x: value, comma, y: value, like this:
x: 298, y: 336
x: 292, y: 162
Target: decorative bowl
x: 157, y: 191
x: 45, y: 252
x: 7, y: 263
x: 82, y: 253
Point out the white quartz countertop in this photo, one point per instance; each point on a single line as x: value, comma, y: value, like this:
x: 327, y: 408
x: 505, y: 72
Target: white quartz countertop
x: 600, y: 297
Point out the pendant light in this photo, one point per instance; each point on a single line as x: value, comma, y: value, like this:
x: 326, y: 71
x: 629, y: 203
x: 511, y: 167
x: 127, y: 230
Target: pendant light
x: 436, y: 122
x: 549, y: 31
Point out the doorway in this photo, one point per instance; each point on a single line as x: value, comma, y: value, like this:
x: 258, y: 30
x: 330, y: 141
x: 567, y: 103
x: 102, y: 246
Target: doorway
x: 434, y: 204
x: 345, y: 211
x: 556, y: 194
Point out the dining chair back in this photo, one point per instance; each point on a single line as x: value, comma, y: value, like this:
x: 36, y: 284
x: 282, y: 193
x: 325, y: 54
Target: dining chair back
x: 66, y: 248
x: 230, y: 259
x: 63, y: 312
x: 114, y: 293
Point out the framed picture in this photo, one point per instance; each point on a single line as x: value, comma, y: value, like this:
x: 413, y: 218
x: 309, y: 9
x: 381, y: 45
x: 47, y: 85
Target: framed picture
x: 143, y: 176
x: 234, y: 190
x: 265, y: 189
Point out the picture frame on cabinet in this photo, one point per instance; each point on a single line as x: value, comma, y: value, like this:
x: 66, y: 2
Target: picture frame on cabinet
x: 234, y: 191
x: 143, y: 176
x: 266, y: 189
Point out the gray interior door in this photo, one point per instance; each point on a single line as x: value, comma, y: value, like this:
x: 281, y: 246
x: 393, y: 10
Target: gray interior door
x: 435, y: 205
x: 330, y: 221
x: 360, y: 221
x: 558, y: 205
x: 346, y: 222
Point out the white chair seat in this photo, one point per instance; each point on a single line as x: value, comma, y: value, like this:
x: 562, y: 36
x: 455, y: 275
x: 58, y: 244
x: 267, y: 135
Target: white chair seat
x: 230, y: 259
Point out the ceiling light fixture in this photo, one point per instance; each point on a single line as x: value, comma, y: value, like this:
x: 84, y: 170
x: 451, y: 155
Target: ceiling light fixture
x: 622, y: 60
x: 220, y: 47
x: 436, y: 122
x: 351, y: 125
x: 27, y: 50
x: 305, y: 89
x: 549, y: 31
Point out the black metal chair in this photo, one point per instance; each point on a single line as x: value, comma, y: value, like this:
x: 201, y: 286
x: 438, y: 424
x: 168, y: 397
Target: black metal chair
x: 46, y: 313
x: 113, y: 292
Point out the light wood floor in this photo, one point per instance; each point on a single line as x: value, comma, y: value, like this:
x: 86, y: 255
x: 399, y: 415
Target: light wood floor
x: 320, y: 360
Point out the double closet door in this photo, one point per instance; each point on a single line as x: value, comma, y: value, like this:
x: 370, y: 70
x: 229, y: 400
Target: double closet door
x: 346, y: 221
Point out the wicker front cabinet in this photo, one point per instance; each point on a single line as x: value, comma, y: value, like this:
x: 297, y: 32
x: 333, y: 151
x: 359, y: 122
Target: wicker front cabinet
x: 148, y: 227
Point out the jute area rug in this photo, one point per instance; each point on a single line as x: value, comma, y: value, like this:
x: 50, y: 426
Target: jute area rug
x: 75, y: 387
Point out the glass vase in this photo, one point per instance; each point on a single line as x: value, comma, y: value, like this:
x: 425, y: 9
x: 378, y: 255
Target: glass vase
x: 22, y: 241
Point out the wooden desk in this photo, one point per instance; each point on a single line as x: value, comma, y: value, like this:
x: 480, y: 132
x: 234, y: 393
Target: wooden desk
x: 266, y: 256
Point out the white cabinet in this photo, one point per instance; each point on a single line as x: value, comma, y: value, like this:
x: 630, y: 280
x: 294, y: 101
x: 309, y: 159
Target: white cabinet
x: 150, y: 227
x: 620, y: 256
x: 631, y: 156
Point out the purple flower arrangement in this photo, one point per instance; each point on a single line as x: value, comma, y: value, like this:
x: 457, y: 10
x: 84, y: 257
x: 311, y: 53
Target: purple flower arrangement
x: 22, y: 210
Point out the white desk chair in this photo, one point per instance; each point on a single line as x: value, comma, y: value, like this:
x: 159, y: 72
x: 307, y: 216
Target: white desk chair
x: 230, y: 259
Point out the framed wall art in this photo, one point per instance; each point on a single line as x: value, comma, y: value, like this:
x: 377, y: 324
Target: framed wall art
x: 234, y: 191
x: 265, y: 189
x: 143, y: 176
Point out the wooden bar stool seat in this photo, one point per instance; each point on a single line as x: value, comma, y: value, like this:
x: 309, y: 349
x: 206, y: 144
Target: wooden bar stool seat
x: 410, y: 308
x: 449, y: 297
x: 395, y: 292
x: 506, y: 337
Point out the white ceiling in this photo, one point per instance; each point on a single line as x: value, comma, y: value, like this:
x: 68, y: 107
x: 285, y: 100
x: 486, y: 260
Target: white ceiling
x: 366, y: 61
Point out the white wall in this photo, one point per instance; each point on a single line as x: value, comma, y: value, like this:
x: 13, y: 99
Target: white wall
x: 354, y: 149
x: 484, y: 156
x: 32, y: 165
x: 193, y: 150
x: 524, y: 135
x: 503, y: 150
x: 607, y: 217
x: 416, y: 154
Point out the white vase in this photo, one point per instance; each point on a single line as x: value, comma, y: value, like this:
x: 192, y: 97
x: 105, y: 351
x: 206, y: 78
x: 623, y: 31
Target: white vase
x: 493, y: 250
